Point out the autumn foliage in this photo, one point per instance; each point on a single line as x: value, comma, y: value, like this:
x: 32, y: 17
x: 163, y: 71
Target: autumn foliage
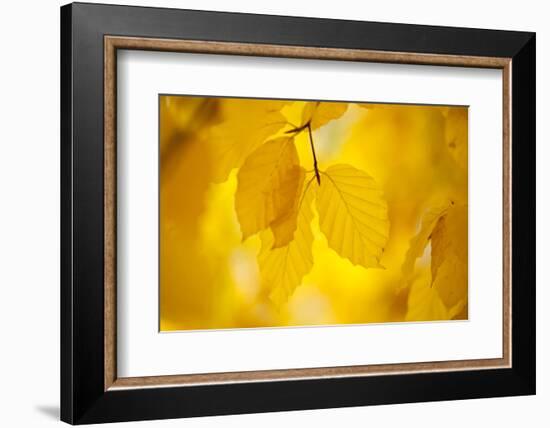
x: 276, y: 213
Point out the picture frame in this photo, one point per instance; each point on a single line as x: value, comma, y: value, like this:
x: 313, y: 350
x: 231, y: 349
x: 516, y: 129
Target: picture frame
x: 91, y: 390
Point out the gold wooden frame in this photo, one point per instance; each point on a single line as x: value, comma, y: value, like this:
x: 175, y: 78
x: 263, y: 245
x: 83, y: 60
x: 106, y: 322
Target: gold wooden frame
x: 112, y: 43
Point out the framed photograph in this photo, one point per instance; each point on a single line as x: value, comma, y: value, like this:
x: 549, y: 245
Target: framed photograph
x: 265, y: 213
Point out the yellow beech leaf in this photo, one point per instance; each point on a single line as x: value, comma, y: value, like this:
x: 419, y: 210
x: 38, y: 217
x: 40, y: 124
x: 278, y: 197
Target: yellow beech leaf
x: 460, y: 310
x: 451, y: 281
x: 264, y: 181
x: 282, y: 269
x: 319, y: 113
x: 450, y: 237
x: 456, y: 135
x: 450, y: 255
x: 447, y: 231
x: 420, y: 241
x: 424, y: 303
x: 290, y: 191
x: 246, y: 125
x: 353, y: 215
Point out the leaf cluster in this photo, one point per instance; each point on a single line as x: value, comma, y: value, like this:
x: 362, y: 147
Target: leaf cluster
x: 275, y: 196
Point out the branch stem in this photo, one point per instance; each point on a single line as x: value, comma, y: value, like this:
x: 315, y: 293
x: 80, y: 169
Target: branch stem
x: 317, y: 175
x: 297, y: 130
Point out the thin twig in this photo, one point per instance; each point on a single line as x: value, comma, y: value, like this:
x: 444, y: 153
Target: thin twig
x: 317, y: 175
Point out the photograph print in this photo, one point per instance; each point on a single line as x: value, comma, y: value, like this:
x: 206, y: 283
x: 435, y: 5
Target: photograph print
x: 287, y: 213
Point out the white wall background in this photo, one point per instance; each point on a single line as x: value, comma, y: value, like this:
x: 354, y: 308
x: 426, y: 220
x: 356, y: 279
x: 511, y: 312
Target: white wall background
x: 29, y: 213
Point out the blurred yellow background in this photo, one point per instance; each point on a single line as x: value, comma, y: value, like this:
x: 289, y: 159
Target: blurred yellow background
x: 209, y: 278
